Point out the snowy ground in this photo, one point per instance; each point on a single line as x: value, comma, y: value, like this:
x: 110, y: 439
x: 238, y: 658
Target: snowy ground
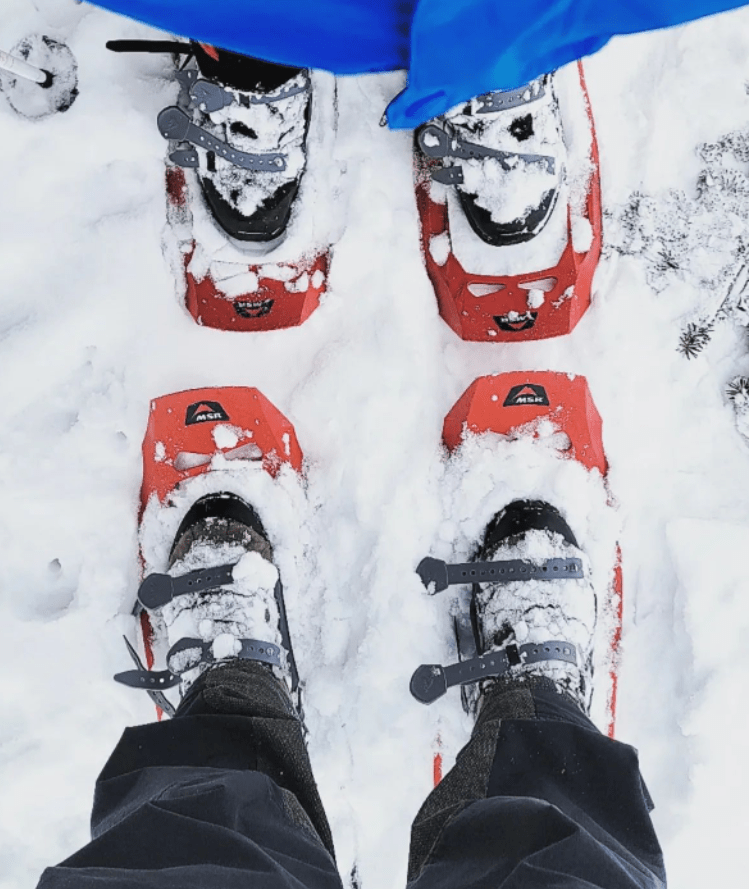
x: 91, y: 329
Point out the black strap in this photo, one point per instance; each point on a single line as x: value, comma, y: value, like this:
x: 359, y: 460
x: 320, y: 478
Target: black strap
x: 159, y: 698
x: 442, y: 575
x: 431, y: 681
x: 503, y: 100
x: 173, y: 46
x: 210, y: 96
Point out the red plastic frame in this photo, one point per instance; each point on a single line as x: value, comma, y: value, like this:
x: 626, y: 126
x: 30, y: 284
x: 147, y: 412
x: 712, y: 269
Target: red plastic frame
x: 274, y: 305
x: 254, y: 420
x: 474, y: 318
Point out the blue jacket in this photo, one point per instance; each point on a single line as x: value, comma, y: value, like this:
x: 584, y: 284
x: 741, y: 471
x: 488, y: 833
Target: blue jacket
x: 453, y: 49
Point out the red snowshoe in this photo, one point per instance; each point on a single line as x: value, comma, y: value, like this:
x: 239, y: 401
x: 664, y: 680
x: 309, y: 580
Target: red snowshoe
x: 508, y: 195
x: 251, y: 250
x: 197, y: 447
x: 552, y: 419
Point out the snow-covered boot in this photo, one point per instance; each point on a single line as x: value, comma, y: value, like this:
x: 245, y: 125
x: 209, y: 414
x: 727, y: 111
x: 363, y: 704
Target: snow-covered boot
x: 533, y: 609
x: 528, y: 614
x: 221, y: 599
x: 246, y: 123
x: 505, y: 154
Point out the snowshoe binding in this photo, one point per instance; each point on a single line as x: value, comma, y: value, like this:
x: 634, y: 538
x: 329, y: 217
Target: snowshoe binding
x: 509, y: 204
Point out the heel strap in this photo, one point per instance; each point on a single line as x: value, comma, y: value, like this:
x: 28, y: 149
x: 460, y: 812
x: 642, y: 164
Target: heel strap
x: 195, y: 652
x: 431, y: 681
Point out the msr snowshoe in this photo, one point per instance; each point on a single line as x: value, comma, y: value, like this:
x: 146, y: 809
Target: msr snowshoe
x: 509, y: 203
x: 251, y: 253
x: 216, y: 593
x: 531, y: 601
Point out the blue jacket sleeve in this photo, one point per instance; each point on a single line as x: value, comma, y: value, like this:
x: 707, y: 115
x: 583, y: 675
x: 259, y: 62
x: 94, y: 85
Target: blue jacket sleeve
x: 452, y: 49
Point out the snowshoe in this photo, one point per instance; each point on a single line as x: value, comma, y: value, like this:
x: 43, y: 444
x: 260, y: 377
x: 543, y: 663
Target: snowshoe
x: 243, y: 238
x: 532, y: 598
x: 508, y: 196
x: 211, y: 589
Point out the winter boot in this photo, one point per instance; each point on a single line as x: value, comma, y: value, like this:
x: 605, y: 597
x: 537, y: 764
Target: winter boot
x: 504, y: 152
x: 247, y: 122
x: 220, y: 600
x: 533, y: 610
x: 524, y: 615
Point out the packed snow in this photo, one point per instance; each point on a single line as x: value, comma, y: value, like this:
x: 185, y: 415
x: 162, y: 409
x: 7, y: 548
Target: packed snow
x: 92, y: 327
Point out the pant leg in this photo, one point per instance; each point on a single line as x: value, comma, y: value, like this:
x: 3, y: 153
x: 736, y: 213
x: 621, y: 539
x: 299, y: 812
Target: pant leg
x: 537, y: 798
x: 221, y: 796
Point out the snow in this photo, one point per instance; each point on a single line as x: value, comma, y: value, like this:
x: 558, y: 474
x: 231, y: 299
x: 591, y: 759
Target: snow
x: 225, y: 436
x: 256, y: 570
x: 536, y: 298
x: 92, y: 326
x: 439, y: 248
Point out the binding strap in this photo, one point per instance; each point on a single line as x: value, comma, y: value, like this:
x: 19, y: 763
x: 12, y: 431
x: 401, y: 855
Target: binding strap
x: 431, y: 681
x: 435, y: 571
x: 210, y: 96
x: 439, y: 144
x: 158, y: 590
x: 175, y: 124
x: 194, y: 652
x: 502, y: 100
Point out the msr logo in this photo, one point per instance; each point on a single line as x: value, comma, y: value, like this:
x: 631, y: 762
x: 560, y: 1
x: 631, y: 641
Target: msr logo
x: 514, y: 322
x: 205, y: 412
x: 528, y: 393
x: 252, y: 308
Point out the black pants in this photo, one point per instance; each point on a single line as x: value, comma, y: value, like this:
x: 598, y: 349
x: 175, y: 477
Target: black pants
x: 223, y: 796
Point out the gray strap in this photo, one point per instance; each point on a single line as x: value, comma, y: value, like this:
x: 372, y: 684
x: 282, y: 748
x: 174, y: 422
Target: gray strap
x: 159, y: 698
x: 159, y: 589
x: 187, y: 78
x: 439, y: 144
x: 210, y: 97
x: 442, y: 575
x: 185, y: 157
x: 431, y: 681
x: 502, y: 100
x: 175, y: 124
x: 250, y: 650
x: 448, y: 175
x: 152, y: 680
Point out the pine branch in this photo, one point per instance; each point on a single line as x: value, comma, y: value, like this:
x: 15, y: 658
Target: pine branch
x: 694, y: 339
x: 738, y: 391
